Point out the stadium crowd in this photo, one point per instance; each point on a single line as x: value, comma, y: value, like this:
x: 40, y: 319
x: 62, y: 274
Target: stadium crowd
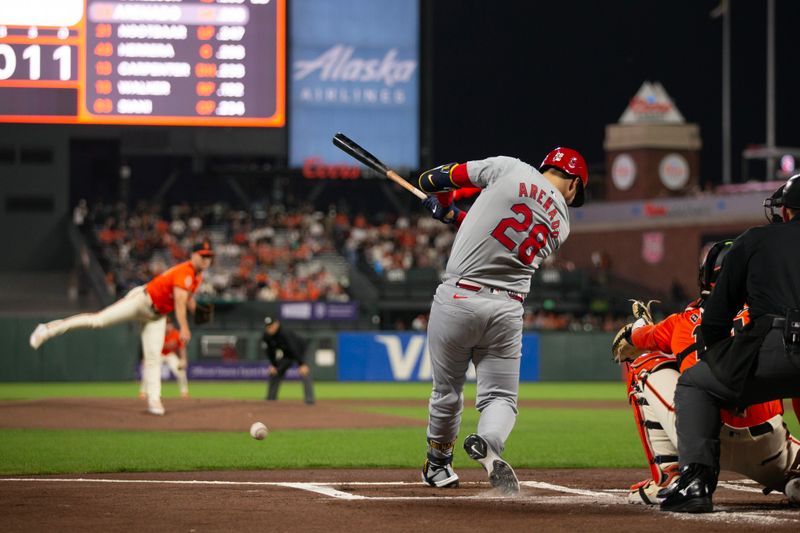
x: 263, y: 254
x: 274, y: 254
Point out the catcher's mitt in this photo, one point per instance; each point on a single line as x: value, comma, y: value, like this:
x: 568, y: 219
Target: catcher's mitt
x: 641, y: 310
x: 203, y: 313
x: 622, y: 349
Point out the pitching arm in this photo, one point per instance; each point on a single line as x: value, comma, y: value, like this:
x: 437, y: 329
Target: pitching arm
x: 182, y: 298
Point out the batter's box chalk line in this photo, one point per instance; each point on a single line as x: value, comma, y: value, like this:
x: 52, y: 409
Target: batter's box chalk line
x: 574, y: 496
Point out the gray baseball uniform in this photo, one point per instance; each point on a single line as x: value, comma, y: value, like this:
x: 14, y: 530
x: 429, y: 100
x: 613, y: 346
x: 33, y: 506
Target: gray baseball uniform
x: 516, y: 222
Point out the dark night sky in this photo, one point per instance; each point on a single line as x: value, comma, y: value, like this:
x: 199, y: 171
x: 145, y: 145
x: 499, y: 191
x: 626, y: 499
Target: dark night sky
x: 520, y: 77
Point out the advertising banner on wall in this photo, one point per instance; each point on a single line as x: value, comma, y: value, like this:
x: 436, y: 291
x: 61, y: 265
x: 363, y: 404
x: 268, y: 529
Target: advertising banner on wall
x: 318, y: 311
x: 354, y: 68
x: 390, y: 356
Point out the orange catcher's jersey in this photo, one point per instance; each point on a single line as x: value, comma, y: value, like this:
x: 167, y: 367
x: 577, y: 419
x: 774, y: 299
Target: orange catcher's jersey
x: 160, y: 288
x: 172, y: 342
x: 676, y: 334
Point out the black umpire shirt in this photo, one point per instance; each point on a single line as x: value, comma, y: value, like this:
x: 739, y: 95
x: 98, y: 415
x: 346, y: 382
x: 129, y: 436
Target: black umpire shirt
x: 289, y: 342
x: 762, y: 268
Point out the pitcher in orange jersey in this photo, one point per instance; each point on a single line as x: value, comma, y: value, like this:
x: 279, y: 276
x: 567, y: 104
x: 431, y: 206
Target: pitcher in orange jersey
x: 149, y: 305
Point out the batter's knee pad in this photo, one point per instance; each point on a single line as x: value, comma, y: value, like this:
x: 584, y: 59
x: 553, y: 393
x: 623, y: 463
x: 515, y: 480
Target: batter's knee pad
x: 661, y: 453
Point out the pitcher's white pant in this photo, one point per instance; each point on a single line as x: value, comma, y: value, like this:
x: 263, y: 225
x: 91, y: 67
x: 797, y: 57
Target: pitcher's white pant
x: 136, y: 306
x: 764, y: 453
x: 173, y: 363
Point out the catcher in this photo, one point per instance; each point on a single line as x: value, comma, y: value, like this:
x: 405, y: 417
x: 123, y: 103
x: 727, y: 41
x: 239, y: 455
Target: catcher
x: 754, y: 443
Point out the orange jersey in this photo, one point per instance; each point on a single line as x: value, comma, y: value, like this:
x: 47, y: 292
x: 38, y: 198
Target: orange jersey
x: 172, y: 342
x: 160, y: 288
x: 676, y: 334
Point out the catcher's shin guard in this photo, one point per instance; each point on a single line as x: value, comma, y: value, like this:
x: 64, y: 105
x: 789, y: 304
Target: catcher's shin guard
x: 651, y: 392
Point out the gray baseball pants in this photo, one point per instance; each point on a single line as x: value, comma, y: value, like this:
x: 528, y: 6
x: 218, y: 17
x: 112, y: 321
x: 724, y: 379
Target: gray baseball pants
x: 484, y: 327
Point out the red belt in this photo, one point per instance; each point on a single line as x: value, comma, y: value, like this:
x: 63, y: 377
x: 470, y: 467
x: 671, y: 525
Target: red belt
x: 474, y: 287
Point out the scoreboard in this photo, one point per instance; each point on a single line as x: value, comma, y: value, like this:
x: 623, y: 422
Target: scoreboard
x: 143, y: 62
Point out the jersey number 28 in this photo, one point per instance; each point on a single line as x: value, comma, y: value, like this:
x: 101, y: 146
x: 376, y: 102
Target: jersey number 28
x: 535, y: 241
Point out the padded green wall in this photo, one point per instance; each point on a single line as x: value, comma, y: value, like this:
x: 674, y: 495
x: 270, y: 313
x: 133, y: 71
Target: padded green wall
x: 113, y: 354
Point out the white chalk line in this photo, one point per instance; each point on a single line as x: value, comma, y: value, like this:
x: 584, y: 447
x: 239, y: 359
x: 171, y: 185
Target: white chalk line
x: 577, y: 496
x: 322, y: 487
x: 568, y: 490
x: 737, y: 487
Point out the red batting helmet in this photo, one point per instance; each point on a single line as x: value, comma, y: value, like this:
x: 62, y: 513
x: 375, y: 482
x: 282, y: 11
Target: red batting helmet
x: 571, y: 162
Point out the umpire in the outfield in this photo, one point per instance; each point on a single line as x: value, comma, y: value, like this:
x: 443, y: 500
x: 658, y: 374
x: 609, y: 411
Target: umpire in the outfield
x: 284, y: 348
x: 760, y: 363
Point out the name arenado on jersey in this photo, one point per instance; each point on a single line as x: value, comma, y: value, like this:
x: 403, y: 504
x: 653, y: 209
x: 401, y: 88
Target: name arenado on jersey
x: 529, y: 190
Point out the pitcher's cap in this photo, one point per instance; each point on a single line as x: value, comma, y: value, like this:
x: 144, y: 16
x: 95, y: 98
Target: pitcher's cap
x: 203, y: 248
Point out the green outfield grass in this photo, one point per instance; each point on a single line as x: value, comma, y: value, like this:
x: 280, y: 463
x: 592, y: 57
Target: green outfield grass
x: 542, y: 438
x: 254, y: 390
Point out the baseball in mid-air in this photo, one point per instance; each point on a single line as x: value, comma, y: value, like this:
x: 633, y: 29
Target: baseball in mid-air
x: 258, y: 431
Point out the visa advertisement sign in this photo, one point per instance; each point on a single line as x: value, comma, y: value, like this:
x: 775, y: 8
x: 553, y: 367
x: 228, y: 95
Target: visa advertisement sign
x: 354, y: 68
x: 388, y: 356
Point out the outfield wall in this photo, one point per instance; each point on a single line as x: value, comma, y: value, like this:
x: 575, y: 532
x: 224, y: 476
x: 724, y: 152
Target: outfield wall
x: 113, y: 354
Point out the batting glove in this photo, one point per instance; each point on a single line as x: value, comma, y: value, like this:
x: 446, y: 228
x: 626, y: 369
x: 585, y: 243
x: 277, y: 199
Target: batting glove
x: 444, y: 215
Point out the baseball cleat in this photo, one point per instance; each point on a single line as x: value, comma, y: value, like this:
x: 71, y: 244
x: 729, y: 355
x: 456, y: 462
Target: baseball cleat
x: 692, y: 493
x: 645, y: 492
x: 501, y: 475
x: 439, y: 475
x: 792, y: 491
x: 155, y: 407
x: 38, y: 336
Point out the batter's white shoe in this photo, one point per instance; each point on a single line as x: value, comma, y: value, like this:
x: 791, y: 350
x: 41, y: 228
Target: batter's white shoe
x: 501, y: 475
x: 39, y: 335
x: 439, y: 475
x: 155, y: 407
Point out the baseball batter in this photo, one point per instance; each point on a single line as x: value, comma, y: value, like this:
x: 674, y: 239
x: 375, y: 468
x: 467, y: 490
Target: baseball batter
x: 147, y: 304
x: 754, y: 442
x: 519, y: 219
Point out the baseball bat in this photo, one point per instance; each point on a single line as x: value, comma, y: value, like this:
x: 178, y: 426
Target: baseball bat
x: 356, y: 151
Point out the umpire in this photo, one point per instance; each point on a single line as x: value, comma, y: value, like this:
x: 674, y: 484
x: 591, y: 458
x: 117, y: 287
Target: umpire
x: 284, y: 348
x: 760, y: 363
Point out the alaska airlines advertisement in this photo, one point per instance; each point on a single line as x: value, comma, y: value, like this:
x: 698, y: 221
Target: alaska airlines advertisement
x: 354, y: 68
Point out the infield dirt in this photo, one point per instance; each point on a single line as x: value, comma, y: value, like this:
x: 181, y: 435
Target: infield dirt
x: 333, y: 500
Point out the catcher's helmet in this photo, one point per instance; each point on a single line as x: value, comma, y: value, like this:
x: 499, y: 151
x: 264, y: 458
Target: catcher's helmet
x: 787, y: 195
x: 571, y: 162
x: 711, y: 265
